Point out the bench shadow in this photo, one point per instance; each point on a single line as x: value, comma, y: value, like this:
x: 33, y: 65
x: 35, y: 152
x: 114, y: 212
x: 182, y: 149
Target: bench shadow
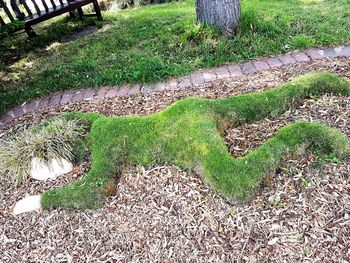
x: 61, y: 29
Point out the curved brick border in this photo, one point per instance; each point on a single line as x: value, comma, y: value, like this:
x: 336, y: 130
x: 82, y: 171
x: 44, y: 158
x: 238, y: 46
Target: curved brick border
x: 193, y: 80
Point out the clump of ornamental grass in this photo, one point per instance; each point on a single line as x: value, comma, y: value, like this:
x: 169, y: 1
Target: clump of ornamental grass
x: 52, y: 139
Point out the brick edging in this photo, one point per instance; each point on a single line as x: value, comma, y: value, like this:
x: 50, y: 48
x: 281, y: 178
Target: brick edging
x: 193, y: 80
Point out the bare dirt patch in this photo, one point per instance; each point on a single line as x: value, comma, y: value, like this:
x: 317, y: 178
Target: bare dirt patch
x: 78, y: 34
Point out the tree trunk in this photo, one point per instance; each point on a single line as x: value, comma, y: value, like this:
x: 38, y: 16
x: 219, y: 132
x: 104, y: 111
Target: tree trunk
x: 222, y: 14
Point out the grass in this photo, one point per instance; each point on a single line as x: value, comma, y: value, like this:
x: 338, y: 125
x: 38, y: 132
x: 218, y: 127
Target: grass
x: 54, y: 139
x: 188, y: 134
x: 150, y: 44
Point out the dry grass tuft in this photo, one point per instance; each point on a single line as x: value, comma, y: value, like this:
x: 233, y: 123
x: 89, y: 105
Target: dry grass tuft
x: 49, y: 140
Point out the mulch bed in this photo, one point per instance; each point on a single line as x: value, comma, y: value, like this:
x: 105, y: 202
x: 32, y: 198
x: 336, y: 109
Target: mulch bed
x: 163, y: 214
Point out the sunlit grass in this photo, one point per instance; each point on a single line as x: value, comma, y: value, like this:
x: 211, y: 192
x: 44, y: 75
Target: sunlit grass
x: 150, y: 44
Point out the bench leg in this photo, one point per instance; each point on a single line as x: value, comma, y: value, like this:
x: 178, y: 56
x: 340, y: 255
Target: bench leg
x: 72, y: 15
x: 97, y: 10
x: 30, y: 32
x: 80, y: 13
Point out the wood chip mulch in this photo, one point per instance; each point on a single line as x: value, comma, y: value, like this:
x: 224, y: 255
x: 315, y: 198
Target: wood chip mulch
x: 163, y: 214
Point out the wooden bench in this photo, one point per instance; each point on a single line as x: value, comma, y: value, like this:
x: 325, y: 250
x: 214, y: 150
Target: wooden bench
x: 32, y: 12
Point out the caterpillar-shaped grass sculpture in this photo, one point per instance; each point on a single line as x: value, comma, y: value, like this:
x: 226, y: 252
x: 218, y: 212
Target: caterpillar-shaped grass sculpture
x: 189, y: 134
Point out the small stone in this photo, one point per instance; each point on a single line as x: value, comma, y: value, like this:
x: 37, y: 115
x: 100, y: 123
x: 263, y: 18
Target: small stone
x: 42, y: 171
x: 171, y: 84
x: 28, y: 204
x: 337, y: 50
x: 273, y: 241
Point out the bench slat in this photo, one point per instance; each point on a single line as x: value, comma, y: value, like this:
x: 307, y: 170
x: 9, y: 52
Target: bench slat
x: 7, y: 11
x: 26, y: 7
x: 32, y: 13
x: 16, y: 9
x: 45, y: 5
x: 36, y: 6
x: 2, y: 22
x: 53, y: 4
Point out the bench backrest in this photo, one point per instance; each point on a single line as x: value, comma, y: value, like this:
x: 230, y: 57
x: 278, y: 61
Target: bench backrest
x: 10, y: 10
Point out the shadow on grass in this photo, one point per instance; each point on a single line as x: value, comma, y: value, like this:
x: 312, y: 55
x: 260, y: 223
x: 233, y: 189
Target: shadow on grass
x: 18, y: 46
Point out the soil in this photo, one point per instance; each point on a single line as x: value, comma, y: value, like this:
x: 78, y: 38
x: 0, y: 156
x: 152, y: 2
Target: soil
x: 164, y: 214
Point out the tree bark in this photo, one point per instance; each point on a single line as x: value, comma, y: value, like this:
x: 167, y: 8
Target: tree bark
x: 222, y: 14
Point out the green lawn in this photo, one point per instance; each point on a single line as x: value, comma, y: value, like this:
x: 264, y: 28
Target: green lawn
x: 149, y: 44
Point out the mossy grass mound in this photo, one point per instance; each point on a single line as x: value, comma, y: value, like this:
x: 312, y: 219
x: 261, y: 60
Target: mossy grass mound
x: 188, y: 134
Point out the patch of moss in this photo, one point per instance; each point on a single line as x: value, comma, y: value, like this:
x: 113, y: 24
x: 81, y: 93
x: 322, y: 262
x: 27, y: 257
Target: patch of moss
x: 187, y: 134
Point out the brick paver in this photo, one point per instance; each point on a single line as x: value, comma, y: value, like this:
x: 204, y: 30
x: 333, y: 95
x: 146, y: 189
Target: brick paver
x: 330, y: 53
x: 89, y: 94
x: 248, y: 68
x: 101, y: 93
x: 300, y: 57
x: 43, y: 103
x: 18, y: 112
x: 111, y: 93
x: 67, y: 97
x: 195, y: 79
x: 345, y: 52
x: 134, y: 89
x: 171, y: 84
x: 184, y: 83
x: 261, y: 65
x: 30, y: 107
x: 123, y: 91
x: 222, y: 73
x: 55, y: 99
x: 235, y: 70
x: 274, y: 62
x: 209, y: 76
x: 314, y: 54
x: 159, y: 87
x: 287, y: 59
x: 7, y: 118
x: 147, y: 89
